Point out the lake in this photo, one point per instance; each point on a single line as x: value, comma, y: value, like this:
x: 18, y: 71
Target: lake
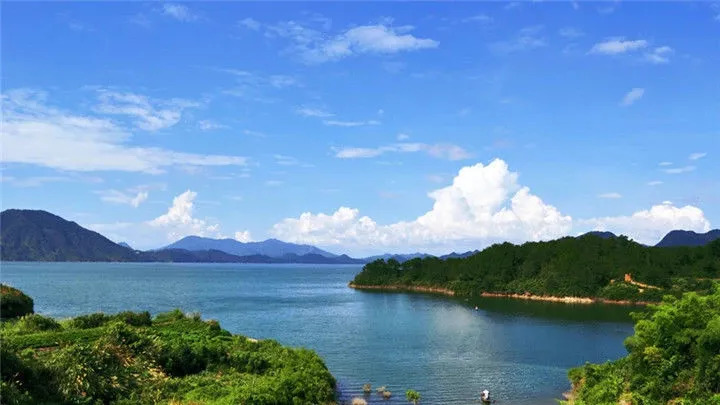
x: 441, y: 347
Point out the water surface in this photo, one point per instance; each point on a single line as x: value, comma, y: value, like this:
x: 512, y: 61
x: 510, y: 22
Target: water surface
x: 439, y: 346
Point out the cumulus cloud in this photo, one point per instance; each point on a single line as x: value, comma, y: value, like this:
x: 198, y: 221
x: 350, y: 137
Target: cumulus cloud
x: 314, y: 46
x: 130, y: 197
x: 632, y: 96
x: 179, y: 222
x: 616, y: 46
x: 484, y: 203
x: 442, y: 151
x: 649, y: 226
x: 36, y: 133
x: 243, y: 236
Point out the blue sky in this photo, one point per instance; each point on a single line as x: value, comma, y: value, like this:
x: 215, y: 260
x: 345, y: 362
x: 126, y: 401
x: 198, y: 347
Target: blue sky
x: 363, y: 127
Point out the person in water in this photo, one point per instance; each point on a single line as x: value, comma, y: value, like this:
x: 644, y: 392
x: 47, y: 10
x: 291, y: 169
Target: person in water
x: 485, y: 396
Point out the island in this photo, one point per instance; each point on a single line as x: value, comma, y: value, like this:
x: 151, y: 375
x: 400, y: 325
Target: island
x: 132, y: 357
x: 585, y: 269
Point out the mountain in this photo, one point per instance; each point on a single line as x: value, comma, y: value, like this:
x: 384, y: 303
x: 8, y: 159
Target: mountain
x: 454, y: 255
x: 270, y: 247
x: 29, y: 235
x: 123, y: 244
x: 399, y: 257
x: 41, y: 236
x: 600, y: 234
x: 688, y: 238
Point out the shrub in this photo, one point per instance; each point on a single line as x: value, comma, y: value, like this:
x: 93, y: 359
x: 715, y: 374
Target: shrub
x: 358, y: 401
x: 134, y: 318
x: 381, y: 389
x: 367, y: 388
x: 412, y: 396
x: 386, y: 394
x: 14, y: 303
x: 36, y: 323
x: 89, y: 321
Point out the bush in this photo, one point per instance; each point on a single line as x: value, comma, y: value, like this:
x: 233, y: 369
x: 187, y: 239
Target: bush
x: 36, y: 323
x: 14, y: 303
x: 89, y: 321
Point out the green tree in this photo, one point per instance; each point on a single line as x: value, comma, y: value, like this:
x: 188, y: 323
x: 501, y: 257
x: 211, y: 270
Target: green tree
x: 412, y: 396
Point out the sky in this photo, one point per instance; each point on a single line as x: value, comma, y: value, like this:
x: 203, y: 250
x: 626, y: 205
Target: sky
x: 363, y: 128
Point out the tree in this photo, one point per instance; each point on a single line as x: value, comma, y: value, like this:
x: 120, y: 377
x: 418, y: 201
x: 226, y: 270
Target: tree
x: 412, y: 396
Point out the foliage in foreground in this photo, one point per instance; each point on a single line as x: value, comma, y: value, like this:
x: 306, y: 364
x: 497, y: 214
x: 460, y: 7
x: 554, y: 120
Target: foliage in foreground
x: 582, y: 266
x: 14, y: 303
x: 673, y: 358
x: 129, y: 358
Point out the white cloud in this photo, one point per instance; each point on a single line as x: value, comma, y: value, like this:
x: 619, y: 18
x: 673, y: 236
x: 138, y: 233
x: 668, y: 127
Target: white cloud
x: 209, y: 125
x: 274, y: 183
x: 570, y: 32
x: 527, y: 38
x: 313, y: 112
x: 339, y: 123
x: 35, y: 133
x: 696, y: 156
x: 654, y: 183
x: 314, y: 46
x: 133, y: 197
x: 402, y: 137
x: 649, y: 226
x: 179, y: 12
x: 243, y: 236
x: 179, y: 222
x: 483, y: 204
x: 479, y: 18
x: 617, y: 46
x: 443, y: 151
x: 678, y: 170
x: 665, y: 164
x: 250, y: 23
x: 612, y: 195
x: 659, y: 55
x: 632, y: 96
x: 254, y: 133
x: 147, y: 114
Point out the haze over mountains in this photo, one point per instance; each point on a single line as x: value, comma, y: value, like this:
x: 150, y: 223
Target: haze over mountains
x: 33, y: 235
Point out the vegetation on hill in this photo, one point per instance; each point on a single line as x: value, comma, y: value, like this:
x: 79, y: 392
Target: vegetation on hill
x: 14, y: 303
x: 131, y: 358
x: 673, y: 358
x: 587, y: 266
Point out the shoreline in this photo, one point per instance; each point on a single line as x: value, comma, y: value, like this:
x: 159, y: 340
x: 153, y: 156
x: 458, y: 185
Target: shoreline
x: 529, y: 297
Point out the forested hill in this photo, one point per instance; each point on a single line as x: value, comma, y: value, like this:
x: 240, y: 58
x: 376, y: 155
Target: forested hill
x: 587, y: 266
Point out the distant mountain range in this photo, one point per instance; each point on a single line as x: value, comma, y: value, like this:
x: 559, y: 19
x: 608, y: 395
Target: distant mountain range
x: 688, y: 238
x: 32, y: 235
x: 271, y: 247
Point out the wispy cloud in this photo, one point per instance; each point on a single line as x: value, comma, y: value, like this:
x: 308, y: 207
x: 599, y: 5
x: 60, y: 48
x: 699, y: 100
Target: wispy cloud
x: 146, y: 113
x: 678, y: 170
x: 313, y: 112
x: 133, y: 197
x: 250, y: 23
x: 179, y: 12
x: 339, y: 123
x: 697, y: 155
x: 315, y: 46
x: 209, y: 125
x: 527, y: 38
x: 443, y: 151
x: 632, y: 96
x: 250, y: 132
x: 570, y: 32
x: 611, y: 195
x: 38, y: 134
x: 659, y: 55
x: 654, y: 183
x: 665, y: 164
x: 615, y: 46
x: 479, y: 18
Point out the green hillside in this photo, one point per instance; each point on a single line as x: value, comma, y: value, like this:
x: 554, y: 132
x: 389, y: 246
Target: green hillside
x: 587, y: 266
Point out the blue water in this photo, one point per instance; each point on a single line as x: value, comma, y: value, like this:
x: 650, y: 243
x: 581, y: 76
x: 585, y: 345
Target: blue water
x: 441, y: 347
